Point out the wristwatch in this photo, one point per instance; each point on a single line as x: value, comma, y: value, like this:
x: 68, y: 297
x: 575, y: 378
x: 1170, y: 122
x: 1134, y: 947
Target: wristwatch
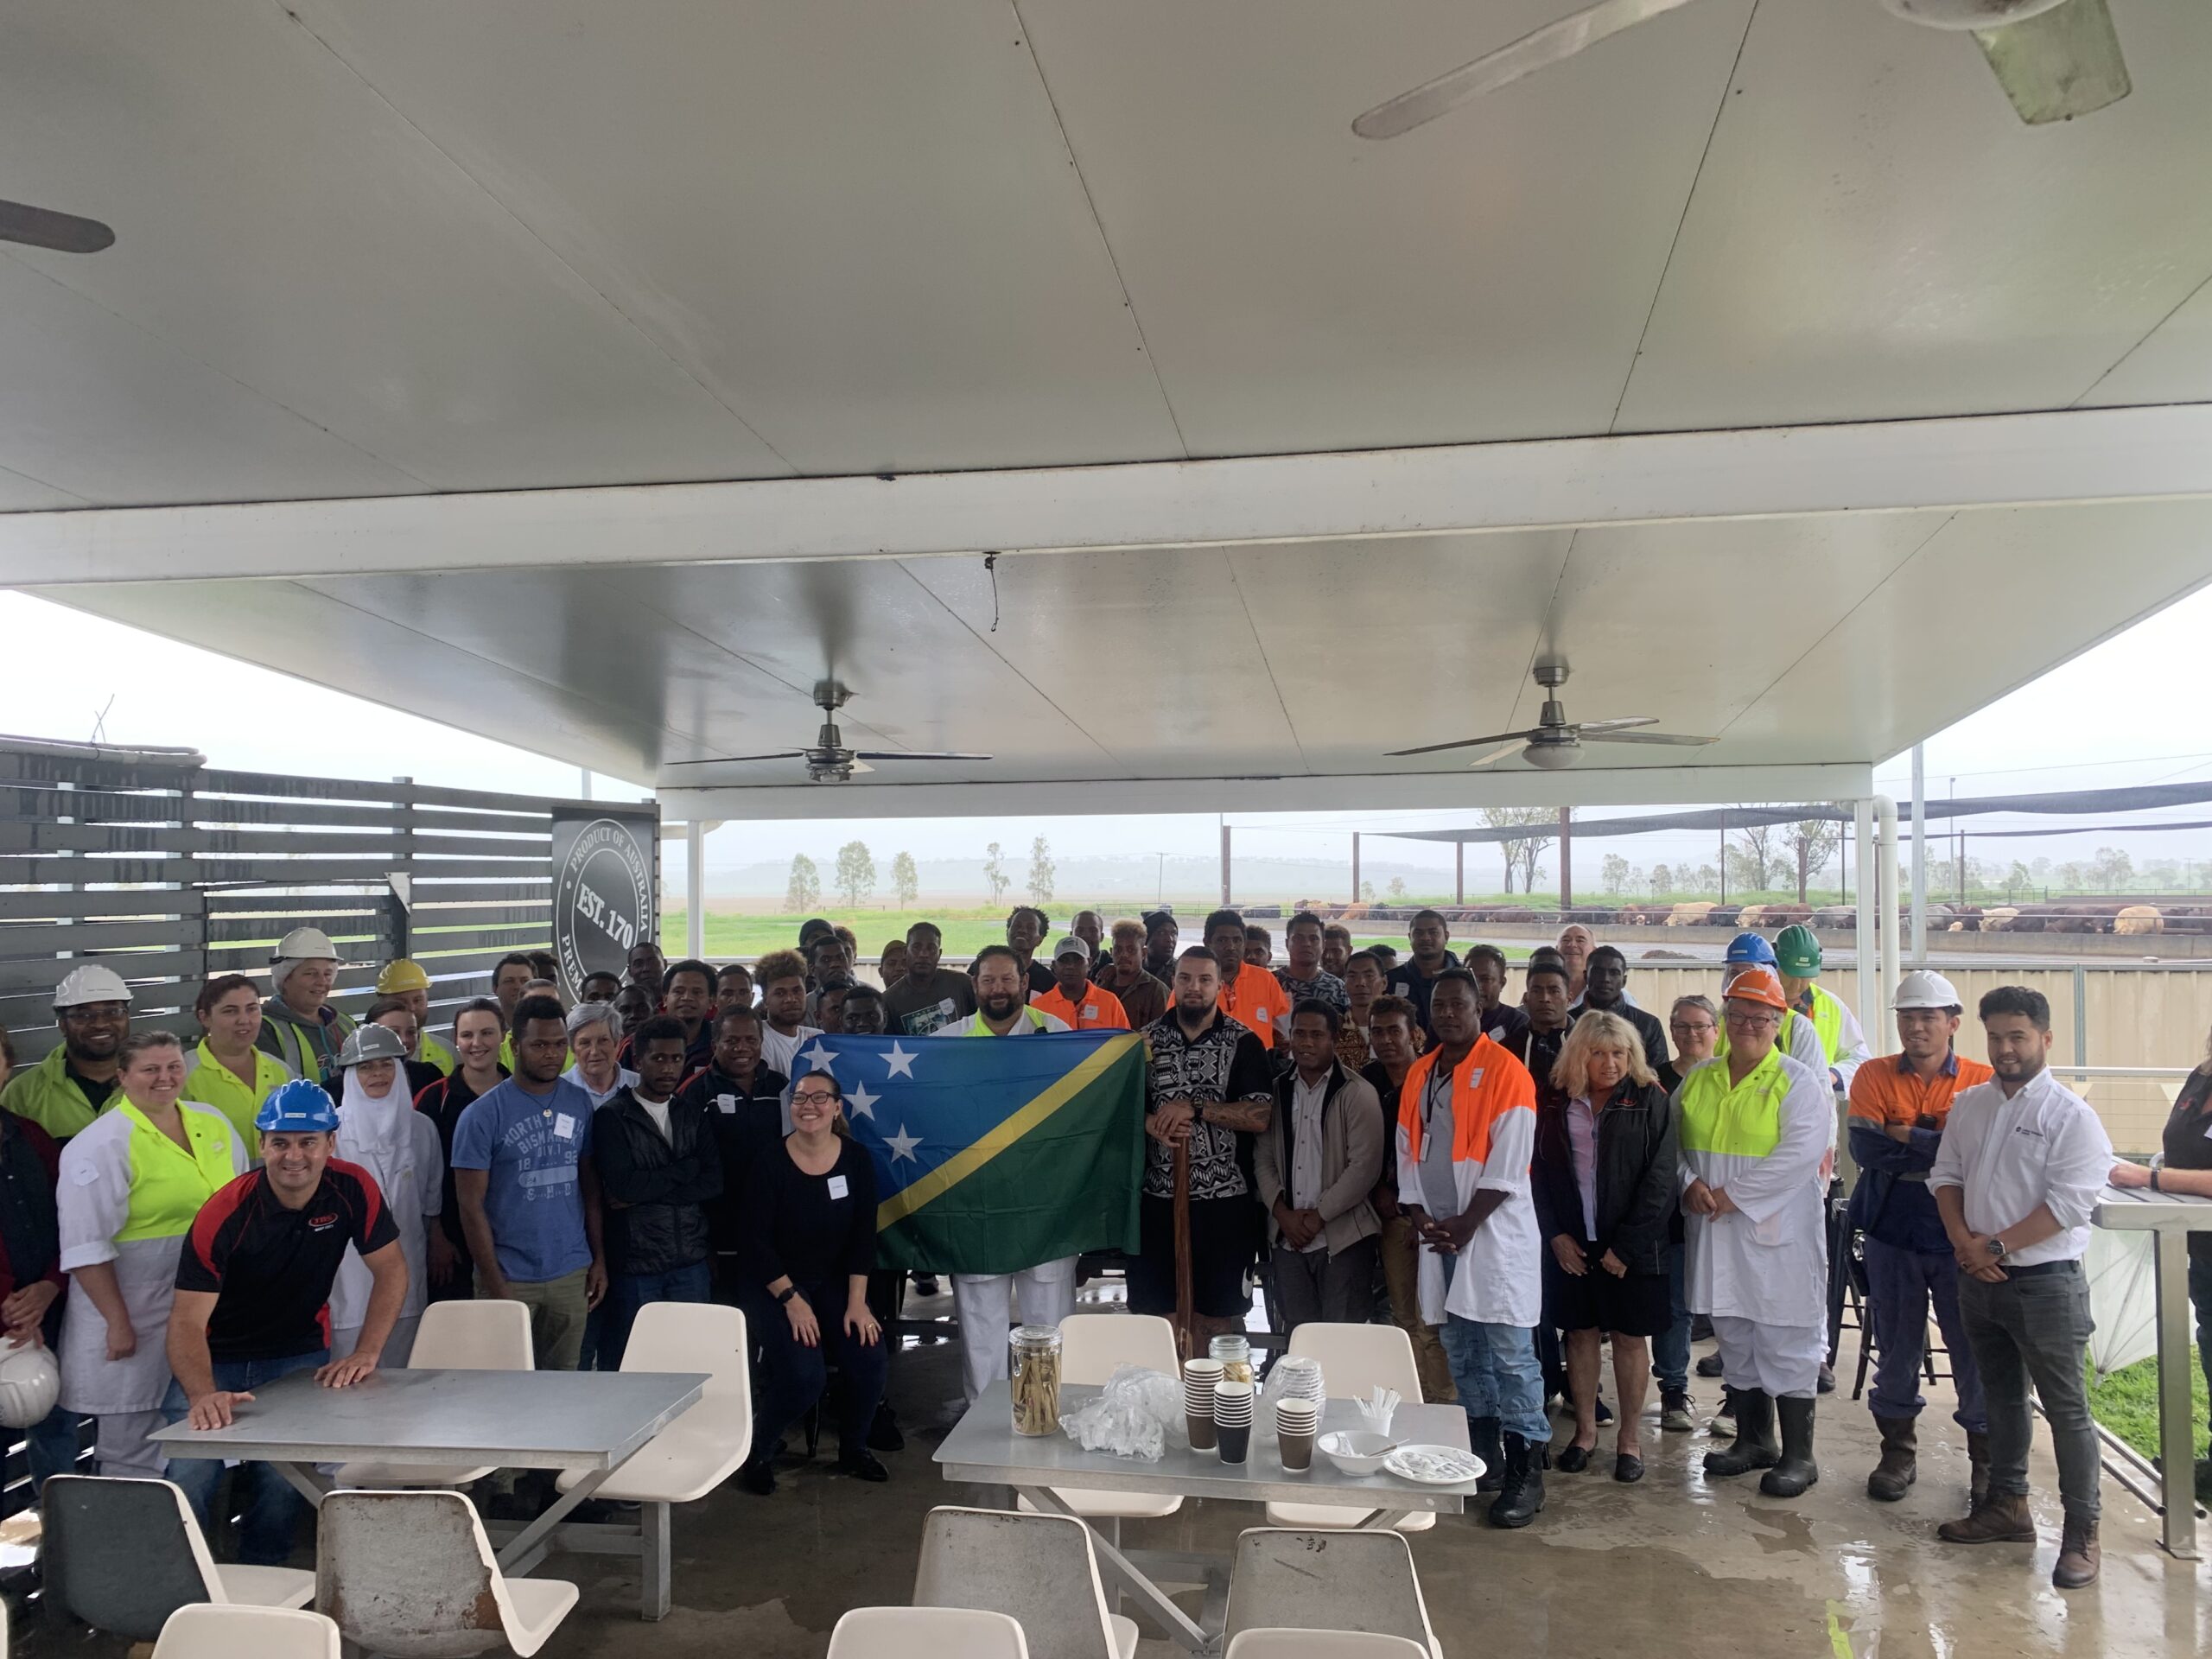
x: 1996, y: 1247
x: 786, y: 1294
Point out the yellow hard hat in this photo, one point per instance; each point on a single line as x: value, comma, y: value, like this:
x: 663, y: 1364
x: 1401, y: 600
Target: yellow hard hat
x: 401, y: 974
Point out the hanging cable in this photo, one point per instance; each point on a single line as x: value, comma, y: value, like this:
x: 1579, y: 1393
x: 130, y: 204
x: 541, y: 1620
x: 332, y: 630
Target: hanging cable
x: 991, y: 569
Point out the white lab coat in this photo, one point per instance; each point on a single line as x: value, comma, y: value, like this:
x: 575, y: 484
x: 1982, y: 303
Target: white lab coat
x: 398, y: 1145
x: 1769, y: 1263
x: 1499, y: 1280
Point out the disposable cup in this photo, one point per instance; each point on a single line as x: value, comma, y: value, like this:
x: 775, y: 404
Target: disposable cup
x: 1200, y: 1425
x: 1235, y: 1442
x: 1296, y: 1449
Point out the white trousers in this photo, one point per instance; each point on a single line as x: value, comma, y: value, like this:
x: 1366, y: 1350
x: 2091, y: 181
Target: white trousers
x: 986, y: 1304
x: 123, y: 1448
x: 1783, y: 1360
x: 397, y: 1347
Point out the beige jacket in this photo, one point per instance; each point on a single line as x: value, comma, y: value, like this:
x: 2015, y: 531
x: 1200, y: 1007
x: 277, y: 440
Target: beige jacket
x: 1352, y: 1157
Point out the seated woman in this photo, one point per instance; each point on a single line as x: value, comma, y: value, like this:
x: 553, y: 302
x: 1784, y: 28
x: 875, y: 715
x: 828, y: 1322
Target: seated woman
x: 808, y: 1244
x: 1605, y: 1179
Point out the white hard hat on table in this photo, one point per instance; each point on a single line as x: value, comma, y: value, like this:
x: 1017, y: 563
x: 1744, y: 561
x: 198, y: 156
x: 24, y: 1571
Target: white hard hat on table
x: 90, y: 983
x: 1923, y: 989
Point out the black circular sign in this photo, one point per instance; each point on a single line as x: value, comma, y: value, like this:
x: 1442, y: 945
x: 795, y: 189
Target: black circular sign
x: 603, y: 901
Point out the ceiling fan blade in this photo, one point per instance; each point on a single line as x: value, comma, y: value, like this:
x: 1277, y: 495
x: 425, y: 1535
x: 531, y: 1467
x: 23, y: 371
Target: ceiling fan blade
x: 857, y: 765
x: 914, y: 754
x: 1461, y: 743
x: 2062, y: 63
x: 1587, y: 728
x: 1497, y: 754
x: 1525, y: 56
x: 740, y: 759
x: 42, y: 227
x: 1591, y: 735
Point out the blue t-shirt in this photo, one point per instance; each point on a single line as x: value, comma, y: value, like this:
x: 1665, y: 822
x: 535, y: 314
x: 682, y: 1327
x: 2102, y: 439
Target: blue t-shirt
x: 532, y: 1146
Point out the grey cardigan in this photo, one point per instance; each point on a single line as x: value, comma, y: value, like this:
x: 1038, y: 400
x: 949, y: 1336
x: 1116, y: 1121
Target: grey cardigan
x: 1352, y: 1157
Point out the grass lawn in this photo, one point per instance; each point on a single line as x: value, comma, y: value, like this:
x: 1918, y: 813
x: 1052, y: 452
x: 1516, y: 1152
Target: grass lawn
x: 2126, y: 1403
x: 966, y: 932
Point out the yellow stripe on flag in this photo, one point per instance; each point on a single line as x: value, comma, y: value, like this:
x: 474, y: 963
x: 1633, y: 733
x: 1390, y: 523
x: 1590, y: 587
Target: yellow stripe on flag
x: 965, y: 1162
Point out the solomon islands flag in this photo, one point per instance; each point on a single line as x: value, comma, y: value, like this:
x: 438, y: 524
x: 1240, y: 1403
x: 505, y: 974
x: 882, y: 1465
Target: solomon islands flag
x: 992, y: 1155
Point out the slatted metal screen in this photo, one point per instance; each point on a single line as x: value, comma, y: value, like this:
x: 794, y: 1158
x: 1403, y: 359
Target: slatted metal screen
x: 170, y: 871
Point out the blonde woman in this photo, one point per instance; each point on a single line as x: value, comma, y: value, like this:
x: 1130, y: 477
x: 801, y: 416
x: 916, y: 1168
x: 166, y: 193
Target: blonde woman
x: 1605, y: 1177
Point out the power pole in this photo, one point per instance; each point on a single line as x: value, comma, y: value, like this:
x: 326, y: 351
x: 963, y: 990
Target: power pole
x: 1565, y: 860
x: 1355, y: 866
x: 1225, y: 865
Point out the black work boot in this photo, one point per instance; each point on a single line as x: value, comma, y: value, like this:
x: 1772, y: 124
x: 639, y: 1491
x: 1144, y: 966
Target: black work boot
x: 1522, y: 1494
x: 2079, y: 1557
x: 1796, y: 1471
x: 1484, y: 1437
x: 1754, y: 1446
x: 1898, y: 1468
x: 1977, y: 1461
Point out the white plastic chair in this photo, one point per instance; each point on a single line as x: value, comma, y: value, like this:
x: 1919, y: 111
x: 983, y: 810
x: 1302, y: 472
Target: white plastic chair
x: 457, y: 1336
x: 208, y: 1632
x: 1277, y: 1643
x: 1033, y: 1567
x: 704, y: 1446
x: 411, y: 1575
x: 924, y: 1633
x: 1361, y: 1582
x: 124, y: 1555
x: 1091, y: 1346
x: 1355, y: 1360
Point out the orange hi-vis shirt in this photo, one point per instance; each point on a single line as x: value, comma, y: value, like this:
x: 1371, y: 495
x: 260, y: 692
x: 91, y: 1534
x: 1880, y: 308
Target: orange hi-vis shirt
x: 1888, y: 1090
x: 1099, y: 1010
x: 1256, y: 999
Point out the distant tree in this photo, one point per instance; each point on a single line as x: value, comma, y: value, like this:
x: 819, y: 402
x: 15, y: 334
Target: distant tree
x: 1614, y: 875
x: 1758, y: 866
x: 905, y: 881
x: 1746, y: 874
x: 995, y: 871
x: 1041, y: 871
x: 855, y: 871
x: 1806, y: 847
x: 1663, y: 881
x: 1367, y: 892
x: 1397, y: 888
x: 804, y: 891
x: 2018, y: 883
x: 1706, y: 881
x: 2112, y: 869
x: 1537, y: 827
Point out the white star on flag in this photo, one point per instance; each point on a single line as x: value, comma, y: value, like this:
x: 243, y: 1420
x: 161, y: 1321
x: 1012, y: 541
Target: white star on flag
x: 820, y: 1058
x: 901, y: 1062
x: 861, y: 1101
x: 902, y: 1145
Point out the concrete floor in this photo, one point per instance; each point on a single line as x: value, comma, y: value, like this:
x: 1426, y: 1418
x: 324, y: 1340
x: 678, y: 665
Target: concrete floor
x: 1671, y: 1566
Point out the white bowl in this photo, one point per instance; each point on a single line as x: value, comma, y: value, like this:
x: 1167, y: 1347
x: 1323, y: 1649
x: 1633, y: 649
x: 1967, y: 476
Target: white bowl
x: 1355, y: 1451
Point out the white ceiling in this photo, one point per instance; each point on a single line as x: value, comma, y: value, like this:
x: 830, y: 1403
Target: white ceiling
x: 375, y: 247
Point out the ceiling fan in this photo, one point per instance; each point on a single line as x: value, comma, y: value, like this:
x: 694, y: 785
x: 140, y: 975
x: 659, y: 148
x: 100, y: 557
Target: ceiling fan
x: 42, y: 227
x: 829, y: 762
x: 2055, y: 58
x: 1554, y: 742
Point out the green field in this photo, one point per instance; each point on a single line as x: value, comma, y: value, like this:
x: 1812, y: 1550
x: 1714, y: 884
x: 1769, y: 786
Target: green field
x: 735, y: 934
x: 2126, y: 1403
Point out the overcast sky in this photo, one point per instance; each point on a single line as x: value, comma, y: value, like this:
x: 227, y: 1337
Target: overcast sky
x: 2130, y: 711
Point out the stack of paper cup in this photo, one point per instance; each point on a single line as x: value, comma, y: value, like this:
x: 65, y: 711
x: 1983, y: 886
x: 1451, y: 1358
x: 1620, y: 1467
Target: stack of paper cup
x: 1296, y: 1423
x: 1200, y: 1377
x: 1232, y: 1419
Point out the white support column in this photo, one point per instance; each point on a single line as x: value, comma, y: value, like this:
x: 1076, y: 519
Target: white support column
x: 1869, y: 998
x: 695, y: 889
x: 1885, y: 928
x: 1919, y: 856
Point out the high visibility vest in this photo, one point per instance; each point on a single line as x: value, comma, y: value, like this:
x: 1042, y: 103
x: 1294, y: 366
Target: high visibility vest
x: 45, y: 1094
x: 1828, y: 1022
x: 1781, y: 1036
x: 212, y: 1084
x: 1743, y: 1120
x: 167, y: 1184
x: 1485, y: 1085
x: 431, y: 1051
x: 311, y: 1063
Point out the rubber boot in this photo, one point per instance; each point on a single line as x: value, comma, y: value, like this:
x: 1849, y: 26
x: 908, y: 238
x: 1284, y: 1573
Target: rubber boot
x: 2000, y: 1518
x: 1796, y: 1471
x: 1978, y: 1459
x: 1754, y: 1446
x: 1484, y: 1437
x: 1521, y: 1497
x: 2079, y: 1557
x: 1899, y: 1467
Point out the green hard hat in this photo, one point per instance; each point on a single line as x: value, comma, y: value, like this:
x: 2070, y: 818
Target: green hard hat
x: 1796, y: 952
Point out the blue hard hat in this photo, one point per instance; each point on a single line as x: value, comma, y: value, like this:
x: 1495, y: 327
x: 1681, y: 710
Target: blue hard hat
x: 1750, y: 947
x: 297, y: 1108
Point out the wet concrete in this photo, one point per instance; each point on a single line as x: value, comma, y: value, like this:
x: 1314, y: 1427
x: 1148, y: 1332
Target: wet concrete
x: 1674, y: 1565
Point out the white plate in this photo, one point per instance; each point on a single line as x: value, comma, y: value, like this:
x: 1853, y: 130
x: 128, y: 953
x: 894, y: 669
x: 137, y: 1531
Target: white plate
x: 1434, y: 1465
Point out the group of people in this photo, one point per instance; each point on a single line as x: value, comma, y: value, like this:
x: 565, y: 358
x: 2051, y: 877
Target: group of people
x: 1517, y: 1184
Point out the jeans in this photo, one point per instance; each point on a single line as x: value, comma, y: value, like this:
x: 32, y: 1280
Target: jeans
x: 794, y: 1377
x: 50, y: 1446
x: 628, y: 1292
x: 269, y: 1508
x: 1670, y: 1349
x: 1494, y: 1367
x: 2035, y: 1327
x: 1335, y: 1287
x: 1901, y: 1283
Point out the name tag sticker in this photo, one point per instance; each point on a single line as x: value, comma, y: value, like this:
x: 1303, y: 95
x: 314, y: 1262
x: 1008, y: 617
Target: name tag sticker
x: 87, y: 1175
x: 837, y: 1188
x: 1089, y: 1012
x: 565, y: 1126
x: 725, y: 1103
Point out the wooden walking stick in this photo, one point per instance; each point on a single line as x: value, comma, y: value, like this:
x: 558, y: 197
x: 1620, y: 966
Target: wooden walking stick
x: 1186, y: 1316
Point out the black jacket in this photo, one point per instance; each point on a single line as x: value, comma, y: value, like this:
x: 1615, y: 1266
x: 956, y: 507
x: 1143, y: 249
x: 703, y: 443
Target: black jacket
x: 1638, y: 1162
x: 655, y: 1190
x: 745, y: 1121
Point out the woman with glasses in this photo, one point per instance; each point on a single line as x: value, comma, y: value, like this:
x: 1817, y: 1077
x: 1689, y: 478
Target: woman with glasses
x: 1693, y: 1025
x: 808, y: 1243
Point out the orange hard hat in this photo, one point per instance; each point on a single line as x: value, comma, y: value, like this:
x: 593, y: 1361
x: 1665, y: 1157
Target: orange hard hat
x: 1758, y: 985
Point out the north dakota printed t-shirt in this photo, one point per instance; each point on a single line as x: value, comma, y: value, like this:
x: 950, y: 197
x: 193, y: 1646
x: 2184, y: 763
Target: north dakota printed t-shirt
x: 532, y: 1146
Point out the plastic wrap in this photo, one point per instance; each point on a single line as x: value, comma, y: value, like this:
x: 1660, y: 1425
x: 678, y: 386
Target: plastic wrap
x: 1131, y: 1415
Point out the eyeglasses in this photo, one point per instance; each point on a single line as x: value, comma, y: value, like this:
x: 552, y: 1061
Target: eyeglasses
x: 813, y: 1097
x: 1752, y: 1019
x: 1686, y: 1028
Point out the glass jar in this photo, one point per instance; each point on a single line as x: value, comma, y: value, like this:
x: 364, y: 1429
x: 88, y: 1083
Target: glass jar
x: 1034, y: 1378
x: 1234, y: 1354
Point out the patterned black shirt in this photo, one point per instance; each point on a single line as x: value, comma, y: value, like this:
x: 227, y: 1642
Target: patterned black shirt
x: 1223, y: 1063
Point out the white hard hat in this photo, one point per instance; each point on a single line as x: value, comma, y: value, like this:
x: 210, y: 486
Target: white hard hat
x: 366, y: 1043
x: 307, y: 945
x: 1923, y: 989
x: 90, y: 983
x: 30, y: 1383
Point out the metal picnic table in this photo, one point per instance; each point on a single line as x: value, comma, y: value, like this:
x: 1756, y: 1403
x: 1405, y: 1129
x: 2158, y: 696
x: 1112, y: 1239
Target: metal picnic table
x: 2170, y: 1217
x: 587, y: 1421
x: 984, y: 1449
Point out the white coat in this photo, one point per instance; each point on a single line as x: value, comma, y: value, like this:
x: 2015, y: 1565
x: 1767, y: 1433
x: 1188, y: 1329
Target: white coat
x: 398, y: 1145
x: 1769, y: 1262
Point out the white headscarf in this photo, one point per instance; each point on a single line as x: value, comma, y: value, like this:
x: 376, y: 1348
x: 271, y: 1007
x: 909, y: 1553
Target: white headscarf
x: 374, y: 1131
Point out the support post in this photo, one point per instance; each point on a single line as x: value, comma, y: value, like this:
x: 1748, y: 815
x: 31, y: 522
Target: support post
x: 1919, y: 856
x: 1225, y: 900
x: 1885, y: 896
x: 695, y: 889
x: 1459, y: 872
x: 1565, y: 860
x: 1355, y: 866
x: 1185, y: 1300
x: 1868, y: 1000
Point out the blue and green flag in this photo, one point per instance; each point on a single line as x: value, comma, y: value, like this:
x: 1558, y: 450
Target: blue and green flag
x: 992, y: 1155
